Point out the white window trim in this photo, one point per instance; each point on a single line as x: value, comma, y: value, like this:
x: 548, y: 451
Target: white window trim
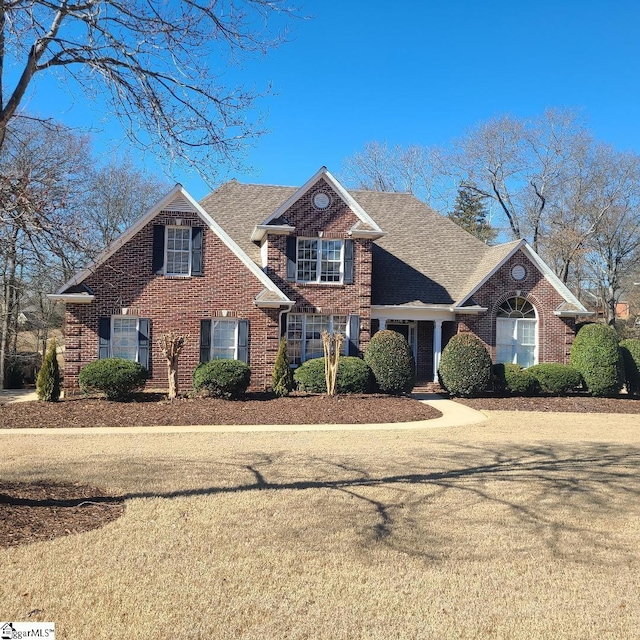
x: 166, y: 250
x: 303, y: 341
x: 235, y: 336
x: 536, y: 348
x: 318, y: 279
x: 111, y: 340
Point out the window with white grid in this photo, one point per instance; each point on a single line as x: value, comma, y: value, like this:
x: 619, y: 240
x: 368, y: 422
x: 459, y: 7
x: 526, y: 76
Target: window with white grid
x: 223, y: 339
x: 320, y: 260
x: 304, y: 334
x: 516, y: 332
x: 178, y: 251
x: 124, y: 337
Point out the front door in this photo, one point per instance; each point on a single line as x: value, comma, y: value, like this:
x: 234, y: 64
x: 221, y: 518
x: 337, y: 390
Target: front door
x: 409, y: 331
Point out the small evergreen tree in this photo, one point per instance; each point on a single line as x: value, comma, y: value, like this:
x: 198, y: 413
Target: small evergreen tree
x: 470, y: 213
x: 282, y: 377
x: 48, y: 383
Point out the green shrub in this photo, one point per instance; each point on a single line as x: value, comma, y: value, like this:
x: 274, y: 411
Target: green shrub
x: 228, y: 379
x: 48, y: 383
x: 465, y: 366
x: 391, y: 360
x: 354, y: 376
x: 512, y: 378
x: 282, y: 378
x: 556, y: 379
x: 596, y: 355
x: 117, y: 378
x: 631, y: 354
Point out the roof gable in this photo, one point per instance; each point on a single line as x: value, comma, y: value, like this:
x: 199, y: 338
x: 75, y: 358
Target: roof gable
x: 365, y: 224
x: 500, y: 254
x: 178, y: 200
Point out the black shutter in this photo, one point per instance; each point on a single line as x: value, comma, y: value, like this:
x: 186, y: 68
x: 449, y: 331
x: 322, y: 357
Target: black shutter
x: 157, y: 263
x: 104, y: 337
x: 354, y: 335
x: 144, y: 343
x: 243, y: 341
x: 196, y: 251
x: 205, y: 340
x: 291, y: 258
x: 283, y: 325
x: 348, y: 261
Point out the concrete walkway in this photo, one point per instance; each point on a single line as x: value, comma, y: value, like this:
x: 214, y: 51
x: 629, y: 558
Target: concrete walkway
x: 17, y: 395
x: 453, y: 415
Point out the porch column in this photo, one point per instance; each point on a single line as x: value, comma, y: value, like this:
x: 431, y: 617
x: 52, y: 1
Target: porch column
x: 383, y: 323
x: 437, y: 347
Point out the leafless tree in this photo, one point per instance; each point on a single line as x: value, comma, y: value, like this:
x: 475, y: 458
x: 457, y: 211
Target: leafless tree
x: 160, y: 66
x: 380, y: 167
x: 117, y: 193
x: 41, y: 166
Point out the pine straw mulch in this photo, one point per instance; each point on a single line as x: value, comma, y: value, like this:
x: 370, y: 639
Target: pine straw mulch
x: 33, y: 512
x: 577, y: 403
x: 153, y: 409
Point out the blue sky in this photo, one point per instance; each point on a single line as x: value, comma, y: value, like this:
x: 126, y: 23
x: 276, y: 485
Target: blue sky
x: 420, y: 72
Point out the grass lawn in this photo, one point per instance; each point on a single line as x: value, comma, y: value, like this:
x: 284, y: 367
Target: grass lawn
x: 526, y: 526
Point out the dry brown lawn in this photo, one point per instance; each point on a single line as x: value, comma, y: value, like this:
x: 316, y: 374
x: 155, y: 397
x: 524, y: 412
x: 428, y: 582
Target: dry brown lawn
x: 526, y: 526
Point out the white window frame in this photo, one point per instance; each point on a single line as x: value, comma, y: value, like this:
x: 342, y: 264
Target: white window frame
x: 115, y: 318
x: 166, y: 250
x: 515, y: 342
x: 303, y: 340
x: 235, y: 336
x: 318, y: 279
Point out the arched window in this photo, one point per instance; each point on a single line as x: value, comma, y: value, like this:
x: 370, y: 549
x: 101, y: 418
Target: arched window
x: 516, y: 332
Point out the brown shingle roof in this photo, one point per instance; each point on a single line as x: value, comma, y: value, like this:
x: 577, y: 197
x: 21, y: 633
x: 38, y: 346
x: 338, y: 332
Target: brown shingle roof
x: 424, y: 258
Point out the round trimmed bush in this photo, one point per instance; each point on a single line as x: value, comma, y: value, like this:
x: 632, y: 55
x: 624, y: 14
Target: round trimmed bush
x: 556, y: 379
x: 465, y: 366
x: 596, y: 355
x: 512, y: 378
x: 391, y: 360
x: 631, y: 354
x: 228, y: 379
x: 354, y: 376
x: 117, y: 378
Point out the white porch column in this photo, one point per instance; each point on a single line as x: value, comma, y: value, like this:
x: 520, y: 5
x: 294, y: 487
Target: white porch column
x: 383, y: 323
x: 437, y: 347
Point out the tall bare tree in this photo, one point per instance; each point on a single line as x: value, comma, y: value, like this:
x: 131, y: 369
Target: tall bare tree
x: 160, y: 66
x: 41, y: 167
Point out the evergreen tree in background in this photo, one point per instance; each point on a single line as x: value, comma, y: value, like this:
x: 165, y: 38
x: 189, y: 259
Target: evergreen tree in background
x: 470, y: 213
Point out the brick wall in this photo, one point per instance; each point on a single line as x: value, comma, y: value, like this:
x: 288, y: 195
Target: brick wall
x: 172, y: 304
x: 555, y: 335
x: 334, y: 223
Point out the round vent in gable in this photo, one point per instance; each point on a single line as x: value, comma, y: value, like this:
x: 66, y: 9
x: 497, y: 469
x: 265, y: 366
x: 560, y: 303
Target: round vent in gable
x: 518, y: 272
x: 321, y: 200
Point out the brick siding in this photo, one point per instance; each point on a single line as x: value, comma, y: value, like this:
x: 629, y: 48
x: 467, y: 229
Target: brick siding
x: 555, y: 334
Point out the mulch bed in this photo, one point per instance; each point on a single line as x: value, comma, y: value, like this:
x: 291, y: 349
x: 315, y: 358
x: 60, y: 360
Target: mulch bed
x: 152, y: 409
x: 44, y: 510
x: 569, y: 404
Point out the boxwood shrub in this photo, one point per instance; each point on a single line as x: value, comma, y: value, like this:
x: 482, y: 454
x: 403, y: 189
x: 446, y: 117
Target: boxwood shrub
x: 512, y: 378
x: 596, y: 355
x: 631, y: 354
x: 556, y: 379
x: 391, y: 360
x: 354, y: 376
x: 228, y: 379
x: 117, y: 378
x: 465, y: 366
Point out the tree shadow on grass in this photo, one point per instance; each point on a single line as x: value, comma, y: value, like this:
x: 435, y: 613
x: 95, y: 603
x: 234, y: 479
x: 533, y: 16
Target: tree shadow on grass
x: 566, y: 501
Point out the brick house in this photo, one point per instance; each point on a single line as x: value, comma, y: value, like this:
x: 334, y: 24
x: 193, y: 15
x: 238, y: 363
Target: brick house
x: 251, y: 263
